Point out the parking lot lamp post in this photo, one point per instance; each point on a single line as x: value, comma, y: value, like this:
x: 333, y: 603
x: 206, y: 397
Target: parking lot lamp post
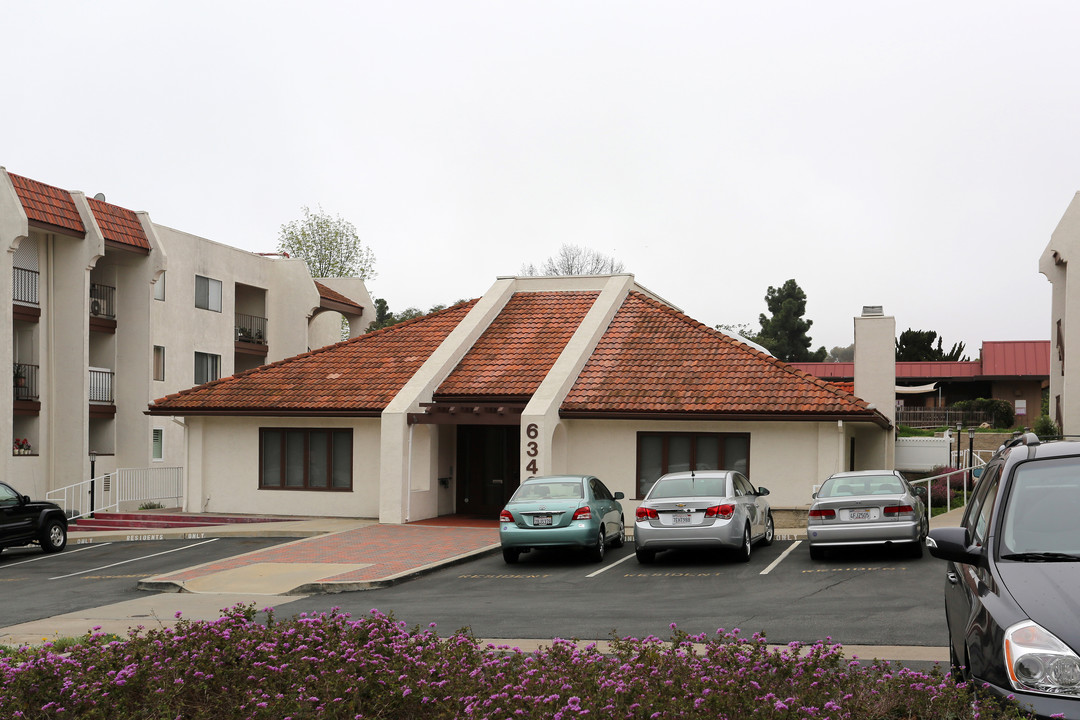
x: 93, y: 459
x: 959, y: 457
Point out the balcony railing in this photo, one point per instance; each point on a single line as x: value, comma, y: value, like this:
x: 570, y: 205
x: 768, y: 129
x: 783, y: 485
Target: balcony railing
x: 250, y: 328
x: 924, y: 417
x: 24, y: 285
x: 101, y: 385
x: 102, y: 300
x: 26, y: 382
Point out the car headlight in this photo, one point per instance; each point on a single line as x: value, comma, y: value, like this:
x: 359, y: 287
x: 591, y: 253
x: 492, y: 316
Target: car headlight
x: 1038, y: 662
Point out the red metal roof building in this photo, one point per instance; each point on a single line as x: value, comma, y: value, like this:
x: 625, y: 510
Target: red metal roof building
x: 1016, y: 371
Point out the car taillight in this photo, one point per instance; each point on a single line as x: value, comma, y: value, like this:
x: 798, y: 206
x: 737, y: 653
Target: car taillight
x: 505, y: 516
x: 583, y: 513
x: 644, y: 513
x: 826, y: 513
x: 724, y: 512
x: 898, y: 510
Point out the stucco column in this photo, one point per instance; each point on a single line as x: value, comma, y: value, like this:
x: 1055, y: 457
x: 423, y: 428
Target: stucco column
x: 540, y: 419
x: 875, y: 376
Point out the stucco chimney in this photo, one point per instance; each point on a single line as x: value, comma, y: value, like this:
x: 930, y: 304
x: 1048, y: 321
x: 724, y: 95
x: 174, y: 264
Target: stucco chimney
x: 875, y: 360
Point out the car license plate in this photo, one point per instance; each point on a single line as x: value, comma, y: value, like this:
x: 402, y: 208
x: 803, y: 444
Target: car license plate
x: 680, y: 519
x: 541, y: 520
x: 859, y: 515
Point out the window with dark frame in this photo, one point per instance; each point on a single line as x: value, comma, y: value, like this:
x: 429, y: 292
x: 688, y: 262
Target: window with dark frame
x: 159, y: 362
x: 305, y: 459
x: 659, y: 453
x: 207, y: 367
x: 207, y: 293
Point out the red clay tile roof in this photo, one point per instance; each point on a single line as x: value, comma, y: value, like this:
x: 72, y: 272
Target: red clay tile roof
x: 119, y: 224
x: 355, y: 377
x: 517, y: 350
x: 47, y: 205
x: 655, y: 360
x: 1021, y: 358
x: 334, y: 296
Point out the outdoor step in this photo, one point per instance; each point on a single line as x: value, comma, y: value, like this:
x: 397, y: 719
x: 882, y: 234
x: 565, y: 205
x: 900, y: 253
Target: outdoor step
x: 136, y: 521
x: 189, y: 517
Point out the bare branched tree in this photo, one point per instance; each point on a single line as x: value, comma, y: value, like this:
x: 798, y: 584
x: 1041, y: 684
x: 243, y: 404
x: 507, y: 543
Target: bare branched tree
x: 575, y: 260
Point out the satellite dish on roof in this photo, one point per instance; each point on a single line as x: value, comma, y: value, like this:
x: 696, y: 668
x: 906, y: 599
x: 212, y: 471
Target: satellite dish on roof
x: 100, y: 196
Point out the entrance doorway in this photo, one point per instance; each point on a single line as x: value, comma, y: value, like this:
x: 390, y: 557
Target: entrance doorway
x: 488, y: 469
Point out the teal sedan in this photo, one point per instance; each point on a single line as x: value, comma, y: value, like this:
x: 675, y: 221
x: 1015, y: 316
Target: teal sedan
x: 576, y: 511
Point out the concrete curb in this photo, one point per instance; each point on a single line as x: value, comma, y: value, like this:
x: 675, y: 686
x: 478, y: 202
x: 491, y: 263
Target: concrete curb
x: 326, y: 587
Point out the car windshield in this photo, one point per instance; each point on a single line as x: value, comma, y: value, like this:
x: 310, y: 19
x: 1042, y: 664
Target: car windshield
x: 563, y: 490
x: 861, y: 485
x: 689, y: 487
x: 1042, y: 508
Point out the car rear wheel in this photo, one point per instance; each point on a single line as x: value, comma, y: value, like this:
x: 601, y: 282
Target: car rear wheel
x: 916, y: 549
x: 510, y: 555
x: 645, y: 556
x: 817, y: 552
x: 770, y: 530
x: 53, y: 536
x: 744, y: 551
x: 596, y: 552
x: 620, y: 539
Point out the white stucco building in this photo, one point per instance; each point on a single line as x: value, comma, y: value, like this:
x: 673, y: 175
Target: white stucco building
x: 1064, y: 246
x: 447, y: 413
x: 110, y: 310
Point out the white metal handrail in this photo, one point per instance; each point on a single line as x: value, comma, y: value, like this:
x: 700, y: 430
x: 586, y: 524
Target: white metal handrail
x: 120, y: 486
x: 978, y: 462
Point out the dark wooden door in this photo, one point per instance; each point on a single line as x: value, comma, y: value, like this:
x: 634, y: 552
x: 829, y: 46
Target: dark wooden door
x: 488, y: 469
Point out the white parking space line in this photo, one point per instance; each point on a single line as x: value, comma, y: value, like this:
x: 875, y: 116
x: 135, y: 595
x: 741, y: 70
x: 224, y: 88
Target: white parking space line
x: 46, y: 556
x: 594, y: 574
x: 124, y: 562
x: 780, y: 559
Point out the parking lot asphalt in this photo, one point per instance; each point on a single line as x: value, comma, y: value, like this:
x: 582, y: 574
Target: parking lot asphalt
x: 330, y: 555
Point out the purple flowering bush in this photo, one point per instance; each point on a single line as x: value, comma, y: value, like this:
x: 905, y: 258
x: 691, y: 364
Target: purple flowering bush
x: 331, y: 666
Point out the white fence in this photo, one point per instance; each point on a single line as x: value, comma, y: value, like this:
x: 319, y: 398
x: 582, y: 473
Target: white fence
x: 126, y: 485
x: 922, y: 454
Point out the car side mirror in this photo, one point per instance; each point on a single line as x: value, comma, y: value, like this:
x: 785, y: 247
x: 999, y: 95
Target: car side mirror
x: 920, y: 491
x: 25, y: 499
x: 953, y: 543
x: 619, y: 496
x: 762, y: 491
x: 976, y: 472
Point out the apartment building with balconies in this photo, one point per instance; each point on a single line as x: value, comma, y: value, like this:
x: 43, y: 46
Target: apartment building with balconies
x: 110, y: 311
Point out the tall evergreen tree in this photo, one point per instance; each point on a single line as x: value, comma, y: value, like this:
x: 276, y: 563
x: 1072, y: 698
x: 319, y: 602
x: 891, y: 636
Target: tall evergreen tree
x: 918, y: 345
x: 785, y: 332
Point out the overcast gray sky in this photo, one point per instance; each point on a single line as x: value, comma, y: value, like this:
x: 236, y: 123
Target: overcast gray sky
x: 915, y: 155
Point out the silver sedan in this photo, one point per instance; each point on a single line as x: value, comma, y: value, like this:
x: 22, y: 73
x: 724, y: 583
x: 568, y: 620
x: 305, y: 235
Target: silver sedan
x: 866, y: 507
x: 704, y: 508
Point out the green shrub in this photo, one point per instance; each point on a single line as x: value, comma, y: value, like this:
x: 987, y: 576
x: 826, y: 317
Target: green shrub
x: 1001, y: 411
x: 1046, y: 428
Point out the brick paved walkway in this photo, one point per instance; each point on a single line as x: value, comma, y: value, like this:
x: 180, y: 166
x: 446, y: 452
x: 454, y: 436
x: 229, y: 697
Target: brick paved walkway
x: 386, y: 550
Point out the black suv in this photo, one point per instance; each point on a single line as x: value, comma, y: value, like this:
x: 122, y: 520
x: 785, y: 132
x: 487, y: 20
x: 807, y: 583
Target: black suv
x: 24, y: 521
x: 1012, y: 591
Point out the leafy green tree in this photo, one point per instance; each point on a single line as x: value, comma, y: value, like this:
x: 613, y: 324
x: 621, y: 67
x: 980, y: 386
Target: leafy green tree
x: 918, y: 345
x: 785, y: 332
x: 329, y: 245
x: 740, y: 329
x: 575, y: 260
